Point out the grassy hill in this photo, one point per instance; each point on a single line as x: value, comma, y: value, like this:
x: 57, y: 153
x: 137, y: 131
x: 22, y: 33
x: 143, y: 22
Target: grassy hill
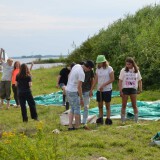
x: 133, y: 35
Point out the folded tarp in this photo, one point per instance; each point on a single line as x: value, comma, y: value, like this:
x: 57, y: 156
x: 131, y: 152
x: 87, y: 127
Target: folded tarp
x: 64, y: 119
x: 56, y: 98
x: 147, y: 110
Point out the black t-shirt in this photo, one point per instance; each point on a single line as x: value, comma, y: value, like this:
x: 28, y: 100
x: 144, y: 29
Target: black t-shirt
x: 23, y: 84
x: 86, y: 85
x: 64, y: 75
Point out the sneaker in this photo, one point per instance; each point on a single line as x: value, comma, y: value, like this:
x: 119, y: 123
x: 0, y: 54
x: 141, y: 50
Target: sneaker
x: 71, y: 129
x: 108, y: 121
x: 99, y: 120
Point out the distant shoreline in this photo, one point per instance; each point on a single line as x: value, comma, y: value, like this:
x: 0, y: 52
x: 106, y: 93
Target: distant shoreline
x: 40, y: 56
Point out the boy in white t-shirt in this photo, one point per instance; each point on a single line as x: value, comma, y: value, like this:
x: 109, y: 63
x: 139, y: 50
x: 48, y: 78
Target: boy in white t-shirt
x: 74, y: 92
x: 129, y: 81
x: 104, y: 78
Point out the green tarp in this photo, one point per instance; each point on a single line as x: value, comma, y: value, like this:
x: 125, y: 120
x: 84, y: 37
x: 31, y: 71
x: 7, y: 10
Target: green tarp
x: 147, y: 110
x: 56, y: 98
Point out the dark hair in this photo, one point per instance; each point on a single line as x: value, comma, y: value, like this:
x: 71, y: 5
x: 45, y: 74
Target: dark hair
x: 131, y: 60
x: 89, y: 64
x: 24, y: 71
x: 72, y: 64
x: 14, y: 66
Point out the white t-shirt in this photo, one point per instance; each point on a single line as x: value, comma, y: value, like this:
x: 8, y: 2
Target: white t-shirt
x: 7, y: 72
x: 129, y: 79
x: 77, y: 74
x: 103, y: 77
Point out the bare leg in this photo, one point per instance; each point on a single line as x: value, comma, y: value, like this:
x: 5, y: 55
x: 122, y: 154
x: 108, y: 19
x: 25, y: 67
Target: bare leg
x: 124, y: 104
x: 77, y: 120
x: 1, y: 105
x: 134, y: 105
x: 8, y: 104
x: 71, y: 115
x: 108, y: 110
x: 100, y: 107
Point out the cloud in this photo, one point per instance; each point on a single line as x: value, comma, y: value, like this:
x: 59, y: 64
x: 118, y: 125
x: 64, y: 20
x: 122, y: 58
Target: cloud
x: 11, y: 19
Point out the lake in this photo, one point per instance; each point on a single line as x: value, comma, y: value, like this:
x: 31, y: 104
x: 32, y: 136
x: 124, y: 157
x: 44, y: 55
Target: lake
x: 37, y: 66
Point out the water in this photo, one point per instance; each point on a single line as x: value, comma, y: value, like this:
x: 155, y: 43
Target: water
x: 37, y: 66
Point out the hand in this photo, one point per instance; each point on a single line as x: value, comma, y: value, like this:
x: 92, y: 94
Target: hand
x: 121, y: 93
x: 91, y: 93
x: 138, y: 92
x: 81, y: 102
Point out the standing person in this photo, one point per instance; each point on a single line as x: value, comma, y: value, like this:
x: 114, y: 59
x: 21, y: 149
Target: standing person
x: 6, y: 80
x: 130, y: 81
x: 24, y: 83
x: 74, y: 92
x: 86, y: 87
x: 15, y: 72
x: 104, y: 77
x: 62, y: 82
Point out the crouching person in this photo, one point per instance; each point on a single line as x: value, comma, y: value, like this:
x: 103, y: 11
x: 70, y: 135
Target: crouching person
x: 74, y: 92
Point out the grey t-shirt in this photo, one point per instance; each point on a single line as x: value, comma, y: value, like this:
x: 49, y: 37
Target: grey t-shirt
x: 86, y: 85
x: 7, y: 72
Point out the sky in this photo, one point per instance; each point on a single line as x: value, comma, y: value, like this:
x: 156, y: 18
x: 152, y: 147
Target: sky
x: 56, y: 27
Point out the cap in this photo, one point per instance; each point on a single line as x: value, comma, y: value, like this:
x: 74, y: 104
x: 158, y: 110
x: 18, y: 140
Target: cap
x: 89, y: 63
x: 100, y: 59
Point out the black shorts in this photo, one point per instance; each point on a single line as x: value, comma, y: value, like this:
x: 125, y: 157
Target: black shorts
x: 128, y: 91
x: 103, y: 96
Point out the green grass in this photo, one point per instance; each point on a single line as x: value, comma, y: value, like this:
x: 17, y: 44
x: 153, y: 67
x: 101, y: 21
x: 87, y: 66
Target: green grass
x: 35, y: 140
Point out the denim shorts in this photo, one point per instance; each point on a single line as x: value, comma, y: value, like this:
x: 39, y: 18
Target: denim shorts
x: 104, y: 96
x: 74, y: 102
x: 128, y: 91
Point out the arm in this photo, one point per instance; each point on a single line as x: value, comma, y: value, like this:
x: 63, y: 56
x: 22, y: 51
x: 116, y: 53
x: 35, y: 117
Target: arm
x: 94, y: 82
x: 80, y: 92
x: 111, y: 75
x: 58, y: 78
x: 120, y: 87
x: 1, y: 51
x: 139, y: 86
x: 30, y: 84
x: 31, y: 66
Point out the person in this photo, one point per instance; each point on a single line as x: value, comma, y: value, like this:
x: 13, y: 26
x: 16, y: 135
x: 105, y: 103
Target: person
x: 74, y: 92
x: 104, y: 78
x: 6, y: 80
x: 62, y: 82
x: 86, y: 87
x: 24, y: 83
x: 16, y: 69
x: 130, y: 83
x: 15, y: 72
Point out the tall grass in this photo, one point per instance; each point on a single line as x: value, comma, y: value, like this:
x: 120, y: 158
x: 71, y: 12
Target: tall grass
x: 35, y: 140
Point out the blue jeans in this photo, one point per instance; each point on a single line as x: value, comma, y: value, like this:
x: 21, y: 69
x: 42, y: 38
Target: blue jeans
x: 86, y: 100
x: 74, y: 102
